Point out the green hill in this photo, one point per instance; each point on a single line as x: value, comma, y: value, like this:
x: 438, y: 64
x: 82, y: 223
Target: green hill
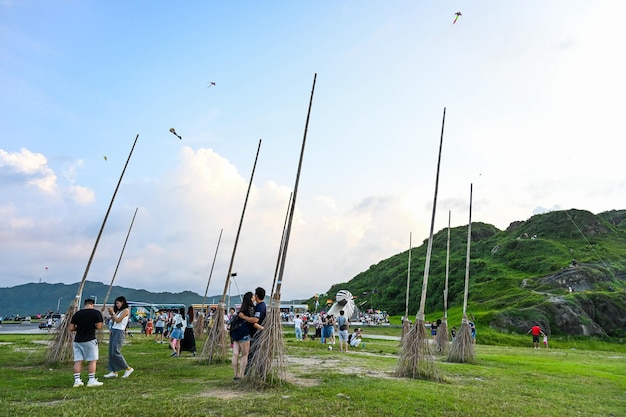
x: 518, y: 276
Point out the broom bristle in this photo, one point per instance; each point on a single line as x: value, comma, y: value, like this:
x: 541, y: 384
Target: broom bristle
x: 214, y: 350
x: 462, y: 347
x: 416, y: 358
x: 406, y: 328
x: 442, y: 341
x: 198, y: 325
x: 267, y: 353
x: 62, y: 347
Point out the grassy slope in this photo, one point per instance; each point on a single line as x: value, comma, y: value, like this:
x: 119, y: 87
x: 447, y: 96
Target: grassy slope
x: 505, y: 267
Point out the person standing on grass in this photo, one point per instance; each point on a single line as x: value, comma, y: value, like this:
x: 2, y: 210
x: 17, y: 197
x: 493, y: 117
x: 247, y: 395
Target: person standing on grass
x: 472, y: 327
x: 189, y: 339
x: 177, y: 335
x: 159, y: 327
x: 120, y: 315
x: 305, y: 329
x: 85, y: 323
x: 240, y: 333
x: 344, y: 325
x: 331, y: 328
x: 536, y: 332
x: 149, y: 328
x: 297, y: 324
x: 260, y: 312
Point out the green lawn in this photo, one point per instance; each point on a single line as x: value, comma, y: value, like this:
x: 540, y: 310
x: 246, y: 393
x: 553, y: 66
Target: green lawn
x: 506, y: 381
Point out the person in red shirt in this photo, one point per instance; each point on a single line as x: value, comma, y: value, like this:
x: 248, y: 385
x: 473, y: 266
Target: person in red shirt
x: 536, y: 332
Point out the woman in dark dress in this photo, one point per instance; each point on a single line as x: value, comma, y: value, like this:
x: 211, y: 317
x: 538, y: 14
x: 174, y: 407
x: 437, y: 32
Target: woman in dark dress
x: 188, y: 343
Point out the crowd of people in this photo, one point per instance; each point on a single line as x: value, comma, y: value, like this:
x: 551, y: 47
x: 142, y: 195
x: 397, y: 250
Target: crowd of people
x: 176, y: 325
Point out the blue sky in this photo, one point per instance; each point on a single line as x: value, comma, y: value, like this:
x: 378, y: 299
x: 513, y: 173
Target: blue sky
x: 533, y: 90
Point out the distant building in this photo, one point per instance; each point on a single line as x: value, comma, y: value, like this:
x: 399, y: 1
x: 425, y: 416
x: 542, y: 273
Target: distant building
x: 294, y: 308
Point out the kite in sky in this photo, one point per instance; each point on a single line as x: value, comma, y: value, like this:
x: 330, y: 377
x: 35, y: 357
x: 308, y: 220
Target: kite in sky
x: 456, y: 16
x: 176, y: 134
x: 211, y: 84
x: 105, y: 158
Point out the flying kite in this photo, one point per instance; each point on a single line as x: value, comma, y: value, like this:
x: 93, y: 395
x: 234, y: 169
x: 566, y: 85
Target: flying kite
x: 211, y: 84
x: 456, y: 16
x: 105, y: 158
x: 176, y: 134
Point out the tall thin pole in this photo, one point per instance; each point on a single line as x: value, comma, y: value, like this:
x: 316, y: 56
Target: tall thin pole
x: 243, y: 211
x: 279, y: 281
x: 408, y: 280
x: 282, y: 245
x: 106, y: 297
x: 429, y: 249
x: 467, y: 260
x: 61, y: 347
x: 106, y: 216
x: 445, y: 290
x: 206, y: 291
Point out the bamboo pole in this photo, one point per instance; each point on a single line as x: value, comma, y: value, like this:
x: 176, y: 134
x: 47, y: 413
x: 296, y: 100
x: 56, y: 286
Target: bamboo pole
x: 462, y: 348
x: 416, y: 358
x: 442, y: 339
x: 282, y: 245
x: 119, y: 260
x: 199, y: 324
x: 406, y: 325
x: 106, y: 297
x: 267, y: 365
x: 61, y: 348
x: 215, y: 346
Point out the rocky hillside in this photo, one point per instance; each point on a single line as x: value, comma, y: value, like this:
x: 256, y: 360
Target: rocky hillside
x: 565, y: 270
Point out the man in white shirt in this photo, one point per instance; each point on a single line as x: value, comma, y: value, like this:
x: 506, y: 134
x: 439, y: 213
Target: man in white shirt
x: 297, y: 324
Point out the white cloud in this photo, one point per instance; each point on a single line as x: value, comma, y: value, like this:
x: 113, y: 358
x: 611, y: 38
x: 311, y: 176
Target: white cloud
x: 33, y: 166
x: 80, y: 195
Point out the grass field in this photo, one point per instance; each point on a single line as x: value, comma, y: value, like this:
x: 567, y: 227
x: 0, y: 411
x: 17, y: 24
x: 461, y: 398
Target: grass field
x: 506, y: 381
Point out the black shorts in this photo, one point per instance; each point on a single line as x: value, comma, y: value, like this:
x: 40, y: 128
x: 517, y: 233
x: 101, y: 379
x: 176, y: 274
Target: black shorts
x: 158, y: 330
x: 535, y: 339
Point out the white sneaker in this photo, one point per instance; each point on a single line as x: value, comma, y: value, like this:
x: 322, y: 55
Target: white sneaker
x: 78, y: 383
x: 111, y: 375
x: 128, y: 372
x: 95, y: 383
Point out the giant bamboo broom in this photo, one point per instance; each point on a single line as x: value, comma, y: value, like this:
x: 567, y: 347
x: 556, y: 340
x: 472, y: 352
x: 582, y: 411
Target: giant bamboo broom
x: 267, y: 352
x: 416, y: 357
x: 462, y: 348
x: 61, y: 348
x: 214, y: 349
x: 198, y: 325
x: 442, y: 339
x: 406, y: 324
x: 119, y: 260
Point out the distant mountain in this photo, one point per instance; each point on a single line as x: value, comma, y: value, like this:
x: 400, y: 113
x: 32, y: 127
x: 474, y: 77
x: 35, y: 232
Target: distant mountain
x: 518, y: 276
x: 33, y: 298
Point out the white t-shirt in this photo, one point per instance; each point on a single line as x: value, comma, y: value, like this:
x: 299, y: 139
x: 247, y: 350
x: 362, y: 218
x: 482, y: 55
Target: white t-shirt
x: 297, y: 323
